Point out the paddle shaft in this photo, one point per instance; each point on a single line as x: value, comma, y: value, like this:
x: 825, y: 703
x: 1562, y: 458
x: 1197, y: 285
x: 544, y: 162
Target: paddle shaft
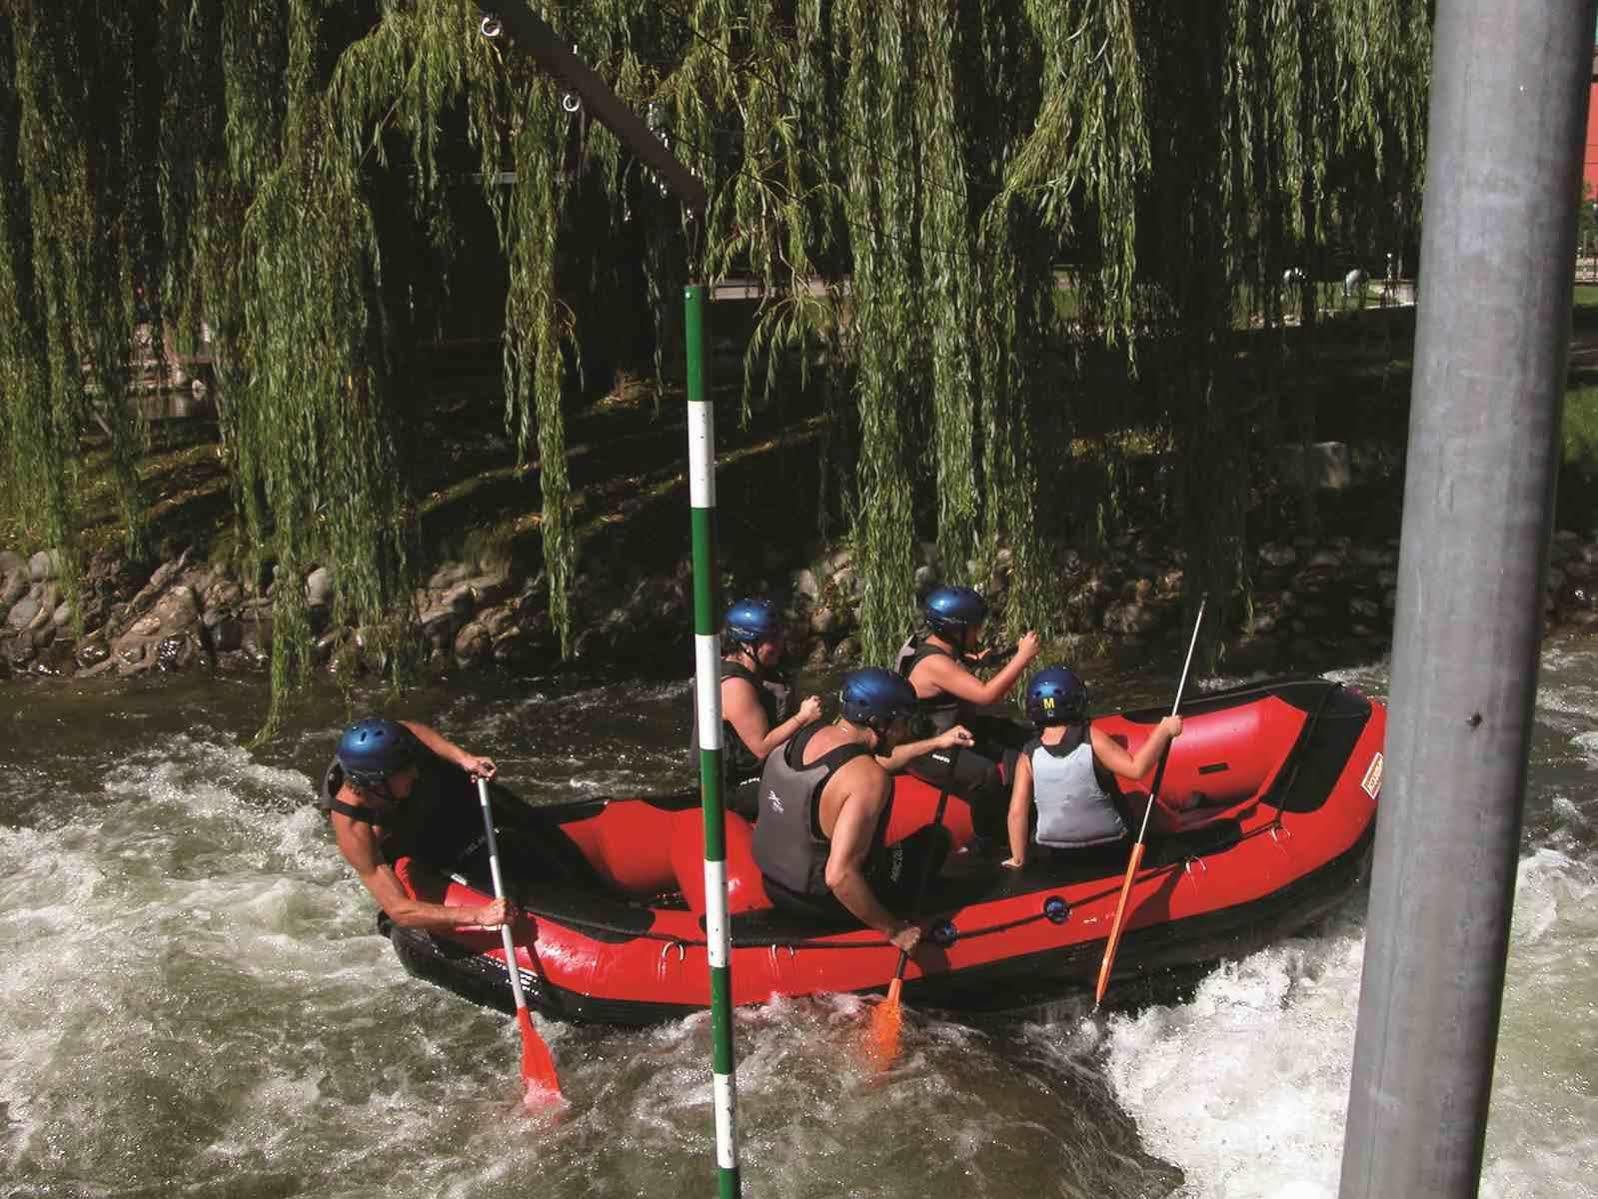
x: 897, y: 984
x: 499, y: 893
x: 1136, y: 859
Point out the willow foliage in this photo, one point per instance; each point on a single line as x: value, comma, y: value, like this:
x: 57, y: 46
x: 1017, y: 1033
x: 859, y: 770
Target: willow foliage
x: 947, y: 207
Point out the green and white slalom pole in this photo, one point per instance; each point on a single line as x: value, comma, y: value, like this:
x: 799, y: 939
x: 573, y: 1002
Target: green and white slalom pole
x: 707, y: 691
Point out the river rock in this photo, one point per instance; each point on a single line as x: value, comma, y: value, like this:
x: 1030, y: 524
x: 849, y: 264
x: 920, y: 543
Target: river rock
x: 449, y: 574
x: 1364, y: 608
x: 25, y: 609
x: 225, y: 630
x: 1085, y: 606
x: 177, y: 609
x: 45, y: 565
x: 91, y: 651
x: 11, y: 562
x: 439, y: 624
x: 488, y: 590
x: 514, y: 645
x: 319, y: 587
x: 62, y: 616
x: 222, y: 593
x: 846, y: 652
x: 1130, y: 618
x: 19, y: 650
x: 822, y: 621
x: 13, y: 587
x: 804, y: 583
x: 473, y: 643
x: 1275, y: 554
x: 176, y: 653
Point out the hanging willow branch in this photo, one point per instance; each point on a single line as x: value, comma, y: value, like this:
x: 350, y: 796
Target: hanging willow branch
x: 942, y: 205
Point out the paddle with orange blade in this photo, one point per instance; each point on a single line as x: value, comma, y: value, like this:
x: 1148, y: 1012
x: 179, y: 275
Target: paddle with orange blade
x: 887, y: 1019
x: 538, y: 1066
x: 1114, y: 942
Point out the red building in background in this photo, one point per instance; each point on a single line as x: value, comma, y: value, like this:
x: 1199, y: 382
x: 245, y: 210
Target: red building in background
x: 1589, y: 159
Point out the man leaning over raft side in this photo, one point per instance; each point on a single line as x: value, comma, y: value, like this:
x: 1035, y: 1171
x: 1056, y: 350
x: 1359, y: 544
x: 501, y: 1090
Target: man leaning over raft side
x: 388, y: 796
x: 823, y: 805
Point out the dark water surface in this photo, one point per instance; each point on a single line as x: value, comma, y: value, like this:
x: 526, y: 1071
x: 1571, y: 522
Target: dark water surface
x: 194, y: 1001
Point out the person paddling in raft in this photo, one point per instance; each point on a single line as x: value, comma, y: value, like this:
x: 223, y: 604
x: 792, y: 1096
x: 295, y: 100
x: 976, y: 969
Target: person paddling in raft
x: 757, y: 709
x: 823, y: 812
x: 948, y: 693
x: 1064, y: 772
x: 393, y: 797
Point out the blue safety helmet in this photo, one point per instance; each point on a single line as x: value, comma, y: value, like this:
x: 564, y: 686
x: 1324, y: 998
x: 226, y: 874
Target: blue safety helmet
x: 372, y: 750
x: 875, y: 697
x: 952, y: 610
x: 1056, y: 696
x: 752, y: 620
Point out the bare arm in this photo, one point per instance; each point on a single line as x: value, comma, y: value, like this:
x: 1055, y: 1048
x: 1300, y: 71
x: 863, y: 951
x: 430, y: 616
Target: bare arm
x: 861, y: 804
x: 1135, y: 766
x: 740, y: 706
x: 450, y: 752
x: 939, y: 674
x: 1020, y: 810
x: 359, y: 847
x: 903, y: 755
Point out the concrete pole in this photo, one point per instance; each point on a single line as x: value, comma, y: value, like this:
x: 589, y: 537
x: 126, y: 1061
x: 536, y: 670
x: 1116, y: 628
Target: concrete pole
x: 1508, y: 111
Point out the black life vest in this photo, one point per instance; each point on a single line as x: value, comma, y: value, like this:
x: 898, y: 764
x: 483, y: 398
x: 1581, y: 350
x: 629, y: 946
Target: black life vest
x: 776, y: 701
x: 942, y: 712
x: 789, y: 846
x: 437, y: 823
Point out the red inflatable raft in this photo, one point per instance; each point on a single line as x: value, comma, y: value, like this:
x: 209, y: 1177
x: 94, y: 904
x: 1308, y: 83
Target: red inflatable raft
x: 1265, y: 821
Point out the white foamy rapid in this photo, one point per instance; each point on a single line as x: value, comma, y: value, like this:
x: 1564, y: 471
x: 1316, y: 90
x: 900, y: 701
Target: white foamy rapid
x: 1245, y: 1087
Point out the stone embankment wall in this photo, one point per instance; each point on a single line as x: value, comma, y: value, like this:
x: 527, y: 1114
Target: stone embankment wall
x: 188, y: 613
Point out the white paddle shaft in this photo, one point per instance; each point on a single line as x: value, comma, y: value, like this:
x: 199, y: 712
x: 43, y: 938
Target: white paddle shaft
x: 1180, y: 687
x: 511, y: 967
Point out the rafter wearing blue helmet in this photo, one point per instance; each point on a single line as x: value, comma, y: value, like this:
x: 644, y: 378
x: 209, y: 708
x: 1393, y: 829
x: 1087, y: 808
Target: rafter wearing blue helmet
x: 398, y: 795
x: 1064, y: 773
x: 758, y: 712
x: 946, y: 690
x: 823, y: 797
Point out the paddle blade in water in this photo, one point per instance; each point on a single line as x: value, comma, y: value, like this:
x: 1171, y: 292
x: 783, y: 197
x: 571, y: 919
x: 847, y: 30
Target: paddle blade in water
x: 887, y: 1019
x: 538, y: 1066
x: 1120, y: 920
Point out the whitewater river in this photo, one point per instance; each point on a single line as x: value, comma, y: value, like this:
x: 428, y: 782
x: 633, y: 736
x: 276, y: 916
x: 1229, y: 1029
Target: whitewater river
x: 194, y: 1000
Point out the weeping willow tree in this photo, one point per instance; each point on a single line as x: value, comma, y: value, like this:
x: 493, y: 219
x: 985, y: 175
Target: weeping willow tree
x: 948, y: 207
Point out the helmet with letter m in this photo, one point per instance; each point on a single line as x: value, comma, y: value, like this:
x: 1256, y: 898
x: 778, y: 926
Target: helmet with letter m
x: 1056, y: 696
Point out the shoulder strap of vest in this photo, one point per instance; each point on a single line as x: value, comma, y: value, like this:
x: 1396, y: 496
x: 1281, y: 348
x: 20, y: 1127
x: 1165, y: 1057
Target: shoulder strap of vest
x: 328, y: 801
x: 737, y: 670
x: 1076, y: 736
x: 833, y: 759
x: 921, y: 651
x: 363, y: 814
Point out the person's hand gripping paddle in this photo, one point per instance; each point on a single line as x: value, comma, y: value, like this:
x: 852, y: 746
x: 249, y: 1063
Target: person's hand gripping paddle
x: 1137, y: 850
x: 538, y: 1066
x: 887, y: 1018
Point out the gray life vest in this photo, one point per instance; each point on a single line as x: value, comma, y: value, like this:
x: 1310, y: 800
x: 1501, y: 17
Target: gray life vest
x: 1074, y: 812
x: 789, y: 846
x: 776, y: 701
x: 942, y: 712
